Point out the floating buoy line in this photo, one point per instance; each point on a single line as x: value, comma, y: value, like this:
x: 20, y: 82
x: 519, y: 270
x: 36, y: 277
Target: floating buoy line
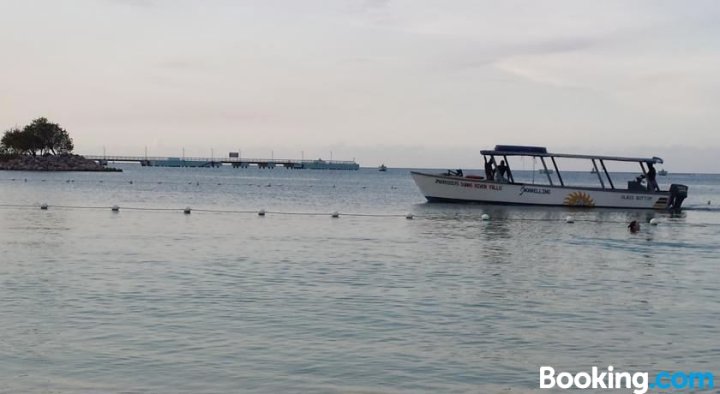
x: 484, y: 217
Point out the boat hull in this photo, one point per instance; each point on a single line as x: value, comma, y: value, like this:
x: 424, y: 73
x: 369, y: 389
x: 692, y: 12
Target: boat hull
x: 443, y: 188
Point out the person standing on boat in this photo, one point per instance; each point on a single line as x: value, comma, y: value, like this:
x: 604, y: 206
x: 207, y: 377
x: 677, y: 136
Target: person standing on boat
x: 489, y: 169
x: 501, y: 172
x: 651, y: 182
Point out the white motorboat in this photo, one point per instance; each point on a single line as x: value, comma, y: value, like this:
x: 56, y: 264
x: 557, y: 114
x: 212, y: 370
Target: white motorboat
x: 456, y: 188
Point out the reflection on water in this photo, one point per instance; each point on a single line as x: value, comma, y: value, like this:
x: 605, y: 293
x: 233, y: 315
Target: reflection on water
x: 139, y: 301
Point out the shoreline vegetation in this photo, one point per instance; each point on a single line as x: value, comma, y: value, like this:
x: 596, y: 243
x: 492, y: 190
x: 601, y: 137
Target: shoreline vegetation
x: 43, y: 146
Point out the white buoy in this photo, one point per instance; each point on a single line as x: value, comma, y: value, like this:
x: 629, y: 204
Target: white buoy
x: 187, y: 211
x: 569, y: 219
x: 115, y: 208
x: 485, y: 216
x: 654, y: 222
x: 261, y: 212
x: 43, y: 206
x: 335, y: 214
x: 409, y: 216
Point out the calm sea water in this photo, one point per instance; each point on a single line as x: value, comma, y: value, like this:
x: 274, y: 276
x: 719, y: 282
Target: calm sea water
x: 157, y: 301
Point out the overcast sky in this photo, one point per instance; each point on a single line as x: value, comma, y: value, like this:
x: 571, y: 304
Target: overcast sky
x: 415, y: 83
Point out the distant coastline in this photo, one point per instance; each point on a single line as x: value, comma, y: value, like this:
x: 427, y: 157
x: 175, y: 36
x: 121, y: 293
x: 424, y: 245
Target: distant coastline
x: 61, y: 162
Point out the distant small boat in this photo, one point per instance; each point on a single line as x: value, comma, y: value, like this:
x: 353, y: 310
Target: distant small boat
x: 593, y: 171
x: 662, y: 172
x: 545, y: 171
x: 382, y: 168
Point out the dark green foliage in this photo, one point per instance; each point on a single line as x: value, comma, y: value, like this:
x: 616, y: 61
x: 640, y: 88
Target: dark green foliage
x: 40, y: 136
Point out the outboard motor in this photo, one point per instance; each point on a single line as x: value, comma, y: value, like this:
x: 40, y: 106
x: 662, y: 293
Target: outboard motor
x: 678, y: 193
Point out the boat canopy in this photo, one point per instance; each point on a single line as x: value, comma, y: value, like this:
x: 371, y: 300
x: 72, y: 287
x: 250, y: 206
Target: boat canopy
x: 539, y: 151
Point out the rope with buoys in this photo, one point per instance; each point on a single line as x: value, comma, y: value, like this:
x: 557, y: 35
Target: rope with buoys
x: 484, y: 217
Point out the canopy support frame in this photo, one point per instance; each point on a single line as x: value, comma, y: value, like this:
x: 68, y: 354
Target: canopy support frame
x: 602, y: 184
x: 542, y: 159
x: 607, y: 174
x: 509, y: 172
x: 557, y: 171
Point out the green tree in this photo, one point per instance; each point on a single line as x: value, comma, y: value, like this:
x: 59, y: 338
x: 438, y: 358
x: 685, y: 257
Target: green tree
x: 19, y: 141
x: 49, y: 137
x: 9, y: 141
x: 39, y: 136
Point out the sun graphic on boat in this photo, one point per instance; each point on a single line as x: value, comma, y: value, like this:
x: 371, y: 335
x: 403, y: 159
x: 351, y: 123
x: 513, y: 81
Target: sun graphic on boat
x: 579, y: 199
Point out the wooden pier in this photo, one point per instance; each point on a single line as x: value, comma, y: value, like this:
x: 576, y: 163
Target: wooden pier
x: 235, y: 162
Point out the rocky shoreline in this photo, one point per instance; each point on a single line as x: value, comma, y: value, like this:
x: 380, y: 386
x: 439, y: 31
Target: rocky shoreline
x: 63, y: 162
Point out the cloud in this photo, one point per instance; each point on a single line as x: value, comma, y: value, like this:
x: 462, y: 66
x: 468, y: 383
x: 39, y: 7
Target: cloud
x: 376, y: 3
x: 420, y: 73
x: 135, y: 3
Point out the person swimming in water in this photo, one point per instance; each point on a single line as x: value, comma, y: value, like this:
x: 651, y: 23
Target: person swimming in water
x: 634, y: 226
